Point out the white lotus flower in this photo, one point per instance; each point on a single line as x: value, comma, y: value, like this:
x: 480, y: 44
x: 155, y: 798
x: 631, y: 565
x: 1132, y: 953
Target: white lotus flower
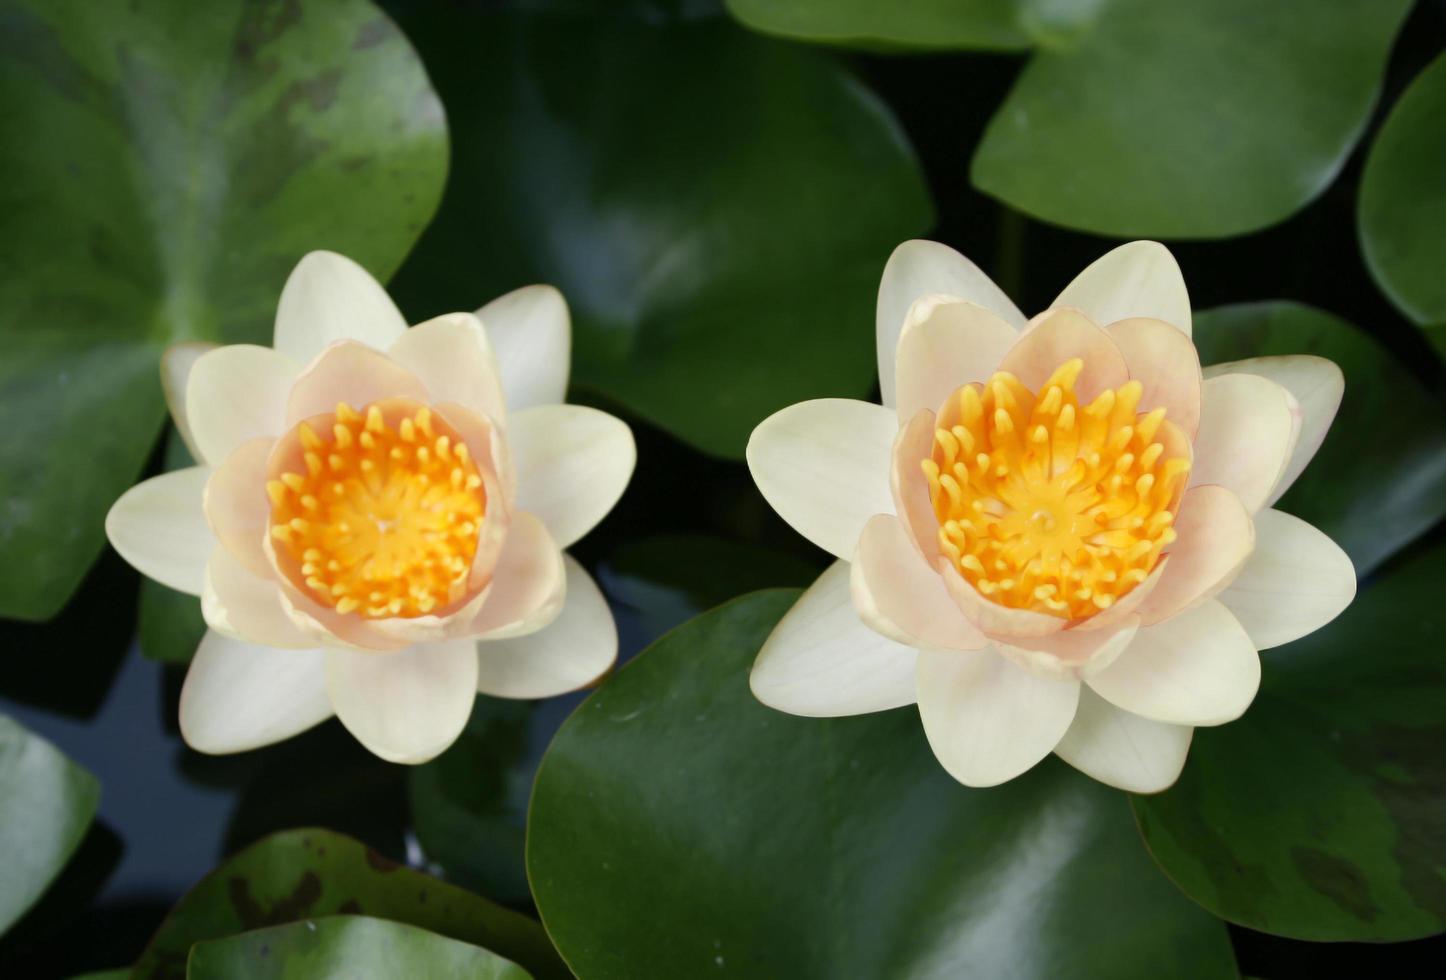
x: 1053, y: 535
x: 376, y: 529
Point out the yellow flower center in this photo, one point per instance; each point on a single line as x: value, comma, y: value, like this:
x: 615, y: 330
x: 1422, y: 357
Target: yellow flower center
x: 1047, y: 506
x: 377, y: 511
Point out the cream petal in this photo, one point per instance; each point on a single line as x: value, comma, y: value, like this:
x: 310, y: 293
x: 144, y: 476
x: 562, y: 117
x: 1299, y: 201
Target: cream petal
x: 1198, y: 668
x: 353, y: 373
x: 1166, y: 363
x: 918, y: 268
x: 572, y: 464
x: 237, y: 507
x: 451, y: 355
x: 327, y: 298
x: 1215, y: 539
x: 234, y: 394
x: 1071, y: 652
x: 822, y: 661
x: 1295, y: 581
x: 1317, y: 385
x: 899, y: 595
x: 910, y: 488
x: 946, y: 342
x: 247, y: 607
x: 407, y: 706
x: 1139, y: 279
x: 240, y: 696
x: 159, y: 527
x: 996, y: 621
x: 531, y: 334
x: 1244, y: 442
x: 488, y: 445
x: 1124, y: 750
x: 988, y: 720
x: 578, y: 648
x: 529, y: 585
x: 176, y: 364
x: 1060, y: 335
x: 824, y: 467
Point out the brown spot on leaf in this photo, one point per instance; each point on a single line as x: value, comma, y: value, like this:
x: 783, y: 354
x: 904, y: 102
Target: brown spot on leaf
x: 379, y: 862
x: 1337, y: 879
x: 373, y: 33
x: 254, y: 916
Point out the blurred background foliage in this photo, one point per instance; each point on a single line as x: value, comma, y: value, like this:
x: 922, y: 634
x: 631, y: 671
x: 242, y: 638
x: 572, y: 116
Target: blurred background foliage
x: 715, y: 188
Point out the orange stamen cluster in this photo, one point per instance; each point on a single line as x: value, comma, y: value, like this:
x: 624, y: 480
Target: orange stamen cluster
x: 1049, y: 506
x: 377, y: 511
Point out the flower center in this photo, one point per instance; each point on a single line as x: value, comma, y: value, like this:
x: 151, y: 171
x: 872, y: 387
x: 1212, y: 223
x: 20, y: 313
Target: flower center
x: 1047, y: 506
x: 377, y: 511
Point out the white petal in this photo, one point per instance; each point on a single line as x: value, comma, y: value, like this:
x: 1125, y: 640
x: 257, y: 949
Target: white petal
x: 578, y: 647
x: 1199, y: 668
x: 1317, y: 385
x: 946, y: 343
x: 1140, y: 279
x: 1245, y: 436
x: 327, y: 298
x: 531, y: 335
x: 918, y: 268
x: 824, y: 467
x: 1295, y: 581
x: 822, y: 661
x: 234, y: 394
x: 240, y: 696
x: 176, y: 364
x: 572, y: 465
x: 248, y: 607
x: 529, y: 584
x: 407, y: 706
x: 160, y: 528
x: 451, y: 356
x: 987, y: 719
x: 897, y: 593
x: 1124, y: 750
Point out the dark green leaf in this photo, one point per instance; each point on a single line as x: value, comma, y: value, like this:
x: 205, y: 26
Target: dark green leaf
x: 1403, y: 200
x: 46, y: 804
x: 164, y: 165
x: 681, y: 829
x: 925, y: 25
x: 344, y: 947
x: 305, y: 873
x: 1322, y: 813
x: 1380, y: 478
x: 683, y: 183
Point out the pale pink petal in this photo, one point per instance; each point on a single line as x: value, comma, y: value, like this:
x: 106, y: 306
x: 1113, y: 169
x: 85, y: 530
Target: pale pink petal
x: 1124, y: 750
x: 909, y: 487
x: 237, y: 507
x: 1244, y: 442
x: 529, y: 585
x: 248, y: 607
x: 897, y: 593
x: 822, y: 661
x: 327, y: 298
x: 159, y: 527
x: 998, y: 622
x: 1139, y: 279
x: 1061, y: 335
x: 1296, y: 580
x: 239, y: 696
x: 946, y: 342
x: 1216, y: 537
x: 1165, y: 362
x: 987, y: 719
x: 451, y: 356
x: 1198, y: 668
x: 352, y: 373
x: 918, y: 268
x: 407, y: 706
x: 531, y: 334
x: 1071, y: 652
x: 234, y: 394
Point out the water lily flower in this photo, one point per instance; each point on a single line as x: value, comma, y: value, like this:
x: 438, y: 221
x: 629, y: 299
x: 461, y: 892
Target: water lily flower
x: 1055, y: 534
x: 376, y: 527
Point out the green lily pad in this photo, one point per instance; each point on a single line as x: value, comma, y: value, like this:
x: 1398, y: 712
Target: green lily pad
x: 46, y: 805
x: 1321, y: 814
x: 1136, y: 118
x: 1403, y: 200
x: 1379, y: 479
x: 300, y: 874
x: 680, y: 180
x: 163, y: 169
x: 345, y: 946
x: 797, y: 847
